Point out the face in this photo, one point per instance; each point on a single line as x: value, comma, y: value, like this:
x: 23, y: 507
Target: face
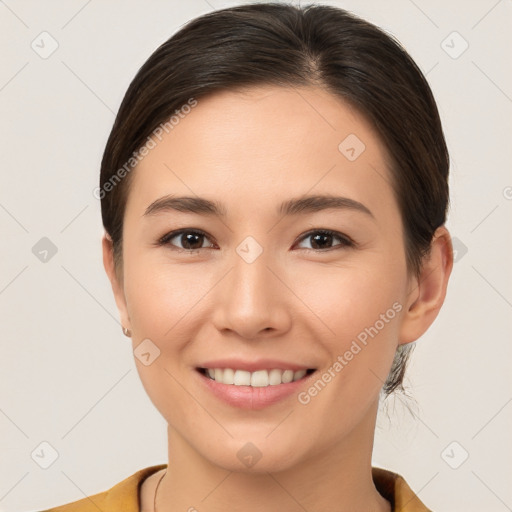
x: 321, y: 287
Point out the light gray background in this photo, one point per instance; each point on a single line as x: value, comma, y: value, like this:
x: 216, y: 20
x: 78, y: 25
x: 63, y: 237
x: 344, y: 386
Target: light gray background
x: 68, y: 376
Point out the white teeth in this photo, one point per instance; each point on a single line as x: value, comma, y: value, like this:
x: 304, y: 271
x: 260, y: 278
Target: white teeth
x: 274, y: 377
x: 287, y: 376
x: 228, y: 376
x: 259, y: 378
x: 241, y: 378
x: 299, y: 374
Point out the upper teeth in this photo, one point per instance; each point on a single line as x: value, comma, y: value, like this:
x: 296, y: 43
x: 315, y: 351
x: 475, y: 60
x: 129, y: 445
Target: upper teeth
x: 259, y: 378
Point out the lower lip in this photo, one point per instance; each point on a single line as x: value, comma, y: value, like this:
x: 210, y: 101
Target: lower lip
x: 249, y: 397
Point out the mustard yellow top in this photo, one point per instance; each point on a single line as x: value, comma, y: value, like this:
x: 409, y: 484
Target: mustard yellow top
x: 125, y: 496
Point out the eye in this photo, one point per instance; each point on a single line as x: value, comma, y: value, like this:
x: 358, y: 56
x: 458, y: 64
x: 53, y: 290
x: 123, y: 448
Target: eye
x: 192, y: 240
x: 324, y: 237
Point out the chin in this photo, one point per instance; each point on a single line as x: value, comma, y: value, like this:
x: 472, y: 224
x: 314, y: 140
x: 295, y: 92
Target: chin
x: 256, y: 456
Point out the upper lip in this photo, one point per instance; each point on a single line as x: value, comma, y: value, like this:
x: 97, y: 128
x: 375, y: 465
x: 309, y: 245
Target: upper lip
x: 254, y: 365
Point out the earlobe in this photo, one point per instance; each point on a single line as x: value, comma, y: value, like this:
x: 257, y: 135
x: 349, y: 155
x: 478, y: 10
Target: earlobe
x: 117, y: 286
x: 427, y: 295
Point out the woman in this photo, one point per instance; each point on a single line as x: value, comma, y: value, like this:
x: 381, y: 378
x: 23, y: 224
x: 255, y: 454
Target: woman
x: 274, y: 192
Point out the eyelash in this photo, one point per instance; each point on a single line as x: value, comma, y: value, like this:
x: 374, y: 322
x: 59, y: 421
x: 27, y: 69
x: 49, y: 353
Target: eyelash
x: 345, y: 240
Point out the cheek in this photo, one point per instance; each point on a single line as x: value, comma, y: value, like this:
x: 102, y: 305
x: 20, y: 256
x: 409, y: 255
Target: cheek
x: 160, y: 297
x: 358, y: 312
x: 170, y: 397
x: 363, y: 311
x: 348, y: 298
x: 161, y: 302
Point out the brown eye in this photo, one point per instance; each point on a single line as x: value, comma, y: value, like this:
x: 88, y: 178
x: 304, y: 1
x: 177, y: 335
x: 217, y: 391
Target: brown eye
x: 323, y: 239
x: 191, y: 240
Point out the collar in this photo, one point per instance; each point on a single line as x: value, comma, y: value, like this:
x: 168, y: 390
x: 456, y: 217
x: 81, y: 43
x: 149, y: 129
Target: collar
x: 126, y: 494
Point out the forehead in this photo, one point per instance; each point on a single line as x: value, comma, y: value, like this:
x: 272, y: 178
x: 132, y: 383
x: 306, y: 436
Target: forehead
x: 259, y: 145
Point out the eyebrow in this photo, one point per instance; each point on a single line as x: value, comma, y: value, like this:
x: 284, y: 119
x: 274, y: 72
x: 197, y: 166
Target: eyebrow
x: 295, y: 206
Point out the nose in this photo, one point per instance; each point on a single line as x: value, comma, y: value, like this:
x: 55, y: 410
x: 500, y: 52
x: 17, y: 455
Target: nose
x: 252, y: 299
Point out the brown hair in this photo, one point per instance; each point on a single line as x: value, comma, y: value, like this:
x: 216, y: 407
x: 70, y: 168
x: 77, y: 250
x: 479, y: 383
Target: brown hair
x: 285, y: 45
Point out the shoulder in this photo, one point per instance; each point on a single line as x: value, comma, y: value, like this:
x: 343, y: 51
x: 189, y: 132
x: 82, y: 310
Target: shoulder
x: 125, y: 496
x: 397, y: 491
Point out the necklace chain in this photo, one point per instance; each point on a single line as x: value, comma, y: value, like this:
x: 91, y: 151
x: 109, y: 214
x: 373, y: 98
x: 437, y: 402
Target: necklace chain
x: 156, y: 490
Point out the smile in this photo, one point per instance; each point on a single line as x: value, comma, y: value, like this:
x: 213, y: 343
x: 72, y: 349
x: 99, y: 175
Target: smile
x: 253, y: 389
x: 259, y: 378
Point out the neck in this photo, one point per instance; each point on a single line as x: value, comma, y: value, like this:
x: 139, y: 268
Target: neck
x: 336, y: 479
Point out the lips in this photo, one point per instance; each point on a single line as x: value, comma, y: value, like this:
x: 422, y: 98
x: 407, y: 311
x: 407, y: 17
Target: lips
x: 253, y: 384
x: 257, y: 394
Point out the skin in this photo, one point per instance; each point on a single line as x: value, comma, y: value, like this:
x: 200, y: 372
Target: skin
x: 251, y: 150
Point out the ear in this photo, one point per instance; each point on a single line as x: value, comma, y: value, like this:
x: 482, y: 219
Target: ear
x: 426, y: 294
x: 117, y: 285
